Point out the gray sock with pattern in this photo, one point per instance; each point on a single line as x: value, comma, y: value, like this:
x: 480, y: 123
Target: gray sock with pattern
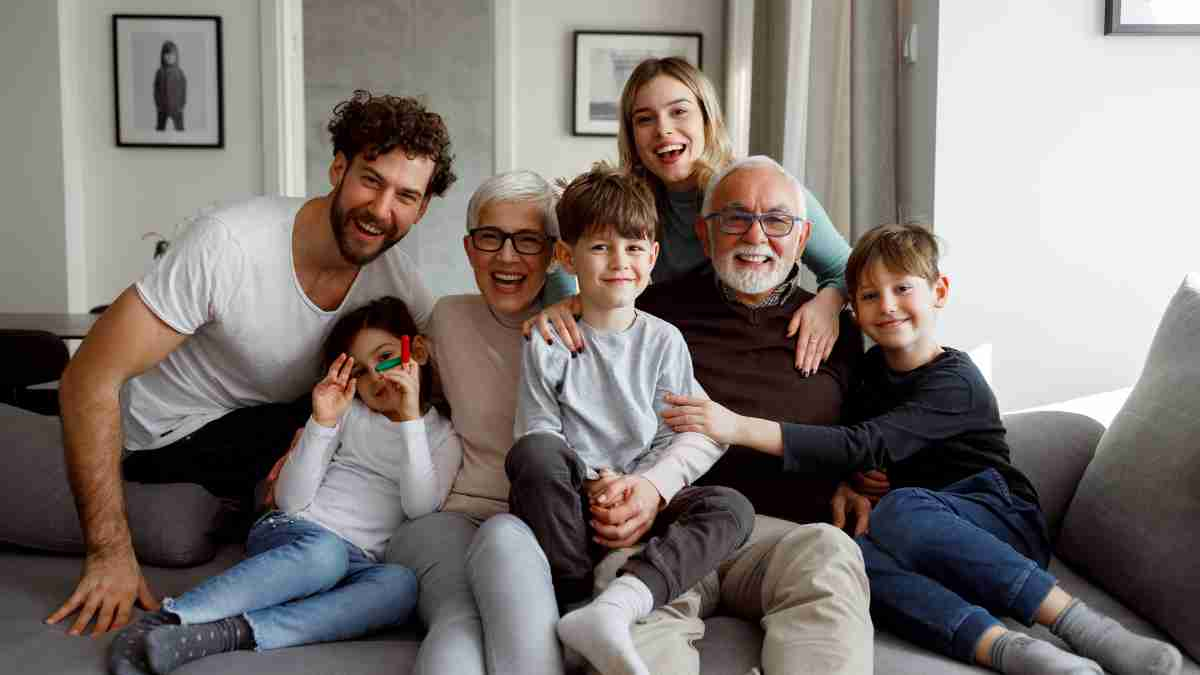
x: 1114, y: 646
x: 127, y: 651
x: 1018, y: 654
x: 168, y: 647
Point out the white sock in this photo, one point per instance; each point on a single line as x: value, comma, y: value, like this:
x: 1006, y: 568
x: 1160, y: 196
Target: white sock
x: 600, y: 631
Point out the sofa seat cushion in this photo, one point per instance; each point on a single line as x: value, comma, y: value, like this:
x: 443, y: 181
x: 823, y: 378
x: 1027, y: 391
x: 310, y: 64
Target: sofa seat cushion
x: 33, y: 584
x: 1132, y: 525
x: 170, y: 524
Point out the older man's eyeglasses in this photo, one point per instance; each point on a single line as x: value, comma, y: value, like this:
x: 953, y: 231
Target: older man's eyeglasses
x: 736, y: 221
x: 491, y: 239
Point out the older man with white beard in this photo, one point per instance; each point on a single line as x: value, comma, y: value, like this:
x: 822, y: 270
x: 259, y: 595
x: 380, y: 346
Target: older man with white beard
x: 802, y: 579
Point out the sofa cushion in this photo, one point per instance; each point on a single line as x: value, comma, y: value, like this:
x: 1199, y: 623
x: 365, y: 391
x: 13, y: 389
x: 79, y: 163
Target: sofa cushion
x: 1053, y: 448
x: 1132, y: 526
x: 170, y: 524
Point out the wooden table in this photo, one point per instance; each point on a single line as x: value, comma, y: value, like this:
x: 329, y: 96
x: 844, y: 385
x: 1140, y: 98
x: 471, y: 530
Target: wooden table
x: 66, y: 326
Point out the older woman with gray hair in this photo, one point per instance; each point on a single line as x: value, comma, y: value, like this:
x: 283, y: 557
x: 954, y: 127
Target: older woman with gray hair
x: 485, y: 589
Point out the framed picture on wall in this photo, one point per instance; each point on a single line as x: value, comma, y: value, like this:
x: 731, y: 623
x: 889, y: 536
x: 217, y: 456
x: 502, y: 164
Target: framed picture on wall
x: 167, y: 79
x: 603, y: 62
x: 1152, y: 17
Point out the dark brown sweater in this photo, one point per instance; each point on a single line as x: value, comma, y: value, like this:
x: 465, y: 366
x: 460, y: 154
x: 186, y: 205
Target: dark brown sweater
x: 745, y: 361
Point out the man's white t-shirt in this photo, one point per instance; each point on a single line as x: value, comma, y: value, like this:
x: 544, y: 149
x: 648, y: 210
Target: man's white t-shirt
x: 230, y: 284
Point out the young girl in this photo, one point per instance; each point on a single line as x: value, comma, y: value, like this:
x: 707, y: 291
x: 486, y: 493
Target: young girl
x: 672, y: 134
x: 363, y: 465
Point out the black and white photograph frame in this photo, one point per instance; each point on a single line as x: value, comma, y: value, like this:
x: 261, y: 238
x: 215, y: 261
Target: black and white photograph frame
x: 1152, y: 17
x: 167, y: 79
x: 603, y: 62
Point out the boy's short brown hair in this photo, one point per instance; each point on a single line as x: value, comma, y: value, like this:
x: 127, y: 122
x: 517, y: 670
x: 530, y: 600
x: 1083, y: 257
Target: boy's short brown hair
x: 903, y: 249
x: 607, y: 197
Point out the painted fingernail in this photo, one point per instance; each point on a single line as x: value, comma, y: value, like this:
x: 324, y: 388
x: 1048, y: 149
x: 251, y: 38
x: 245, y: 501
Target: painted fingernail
x: 549, y: 341
x: 528, y: 338
x: 573, y: 355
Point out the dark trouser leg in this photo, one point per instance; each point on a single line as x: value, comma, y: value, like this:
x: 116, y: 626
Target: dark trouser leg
x: 227, y: 457
x: 161, y: 124
x: 177, y: 118
x: 699, y: 528
x: 973, y: 540
x: 547, y: 493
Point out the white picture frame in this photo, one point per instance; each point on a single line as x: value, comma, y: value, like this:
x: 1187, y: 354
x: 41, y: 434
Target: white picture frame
x: 1152, y: 17
x: 603, y: 62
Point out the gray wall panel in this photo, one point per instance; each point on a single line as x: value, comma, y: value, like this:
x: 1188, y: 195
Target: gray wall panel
x: 437, y: 50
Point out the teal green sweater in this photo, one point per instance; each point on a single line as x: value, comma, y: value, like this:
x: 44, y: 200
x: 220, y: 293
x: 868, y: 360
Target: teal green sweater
x: 681, y: 251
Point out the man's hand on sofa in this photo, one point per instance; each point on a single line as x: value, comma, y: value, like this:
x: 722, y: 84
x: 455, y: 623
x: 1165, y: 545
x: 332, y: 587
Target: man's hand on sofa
x: 623, y: 509
x: 112, y: 582
x: 845, y: 499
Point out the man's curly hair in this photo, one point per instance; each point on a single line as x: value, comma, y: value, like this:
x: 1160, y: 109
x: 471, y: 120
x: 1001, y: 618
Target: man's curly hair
x: 375, y: 125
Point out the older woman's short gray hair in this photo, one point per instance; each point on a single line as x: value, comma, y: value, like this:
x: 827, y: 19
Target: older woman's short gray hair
x: 516, y: 186
x: 749, y: 163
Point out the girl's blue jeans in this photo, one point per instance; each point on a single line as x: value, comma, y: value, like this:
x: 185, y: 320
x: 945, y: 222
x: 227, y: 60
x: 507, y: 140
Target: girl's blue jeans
x: 301, y: 584
x: 944, y: 564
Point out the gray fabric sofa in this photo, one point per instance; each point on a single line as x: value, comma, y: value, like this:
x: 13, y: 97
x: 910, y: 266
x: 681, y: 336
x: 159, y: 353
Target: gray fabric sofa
x: 1053, y: 447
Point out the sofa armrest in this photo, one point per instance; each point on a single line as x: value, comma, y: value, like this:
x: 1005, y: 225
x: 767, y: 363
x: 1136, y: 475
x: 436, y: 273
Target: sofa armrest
x: 1053, y: 448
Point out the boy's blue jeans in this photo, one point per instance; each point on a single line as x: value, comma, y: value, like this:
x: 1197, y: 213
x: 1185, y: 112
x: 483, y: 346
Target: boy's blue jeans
x: 301, y: 584
x: 944, y: 563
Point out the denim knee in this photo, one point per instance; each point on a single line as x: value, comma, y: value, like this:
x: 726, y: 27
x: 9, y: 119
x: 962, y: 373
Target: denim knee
x: 327, y: 557
x: 398, y: 585
x: 538, y: 458
x: 892, y: 516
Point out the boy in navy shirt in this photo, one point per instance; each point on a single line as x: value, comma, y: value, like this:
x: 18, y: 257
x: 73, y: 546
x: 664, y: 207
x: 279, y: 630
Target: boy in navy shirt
x: 960, y: 538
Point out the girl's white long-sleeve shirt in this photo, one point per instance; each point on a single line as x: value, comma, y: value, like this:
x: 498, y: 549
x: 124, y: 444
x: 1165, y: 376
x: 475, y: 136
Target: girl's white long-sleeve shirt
x: 366, y: 476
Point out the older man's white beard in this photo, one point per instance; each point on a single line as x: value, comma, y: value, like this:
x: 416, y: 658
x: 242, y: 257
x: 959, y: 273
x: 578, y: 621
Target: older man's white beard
x: 750, y: 281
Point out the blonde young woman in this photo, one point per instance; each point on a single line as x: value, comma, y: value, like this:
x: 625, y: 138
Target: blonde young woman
x: 673, y: 134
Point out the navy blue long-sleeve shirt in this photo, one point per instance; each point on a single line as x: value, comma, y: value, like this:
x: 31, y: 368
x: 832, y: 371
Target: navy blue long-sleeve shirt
x: 928, y: 427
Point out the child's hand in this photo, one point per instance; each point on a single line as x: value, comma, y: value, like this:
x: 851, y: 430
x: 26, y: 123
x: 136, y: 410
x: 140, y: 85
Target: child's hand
x: 846, y: 499
x: 597, y: 490
x: 333, y: 394
x: 873, y: 485
x: 405, y: 381
x: 702, y: 416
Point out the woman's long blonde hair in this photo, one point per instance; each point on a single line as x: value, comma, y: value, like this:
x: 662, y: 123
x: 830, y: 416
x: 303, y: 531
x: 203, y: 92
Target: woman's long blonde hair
x: 718, y: 151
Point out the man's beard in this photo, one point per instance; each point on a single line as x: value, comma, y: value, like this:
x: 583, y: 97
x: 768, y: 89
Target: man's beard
x: 750, y: 282
x: 341, y: 221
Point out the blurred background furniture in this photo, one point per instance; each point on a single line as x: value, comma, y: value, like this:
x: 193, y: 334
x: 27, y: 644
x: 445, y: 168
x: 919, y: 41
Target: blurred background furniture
x: 32, y: 357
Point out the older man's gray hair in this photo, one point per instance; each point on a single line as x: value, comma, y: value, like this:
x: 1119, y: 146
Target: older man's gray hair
x: 752, y: 162
x: 520, y: 186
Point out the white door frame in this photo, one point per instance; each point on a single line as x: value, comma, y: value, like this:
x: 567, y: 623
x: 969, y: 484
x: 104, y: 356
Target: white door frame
x: 282, y: 45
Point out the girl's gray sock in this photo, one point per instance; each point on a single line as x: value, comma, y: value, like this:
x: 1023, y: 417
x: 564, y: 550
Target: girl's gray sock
x: 168, y: 647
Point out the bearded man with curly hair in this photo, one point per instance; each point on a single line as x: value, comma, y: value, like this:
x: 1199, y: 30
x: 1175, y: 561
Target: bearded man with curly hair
x: 199, y: 372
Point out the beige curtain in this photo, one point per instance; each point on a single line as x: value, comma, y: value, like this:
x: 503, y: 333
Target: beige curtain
x: 850, y: 140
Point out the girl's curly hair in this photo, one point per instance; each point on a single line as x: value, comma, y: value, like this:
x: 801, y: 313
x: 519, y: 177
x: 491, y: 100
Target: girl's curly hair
x: 375, y: 125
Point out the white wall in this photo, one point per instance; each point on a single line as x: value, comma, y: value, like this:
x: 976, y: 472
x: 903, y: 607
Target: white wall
x: 1066, y: 189
x: 33, y: 273
x: 543, y: 100
x: 122, y: 193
